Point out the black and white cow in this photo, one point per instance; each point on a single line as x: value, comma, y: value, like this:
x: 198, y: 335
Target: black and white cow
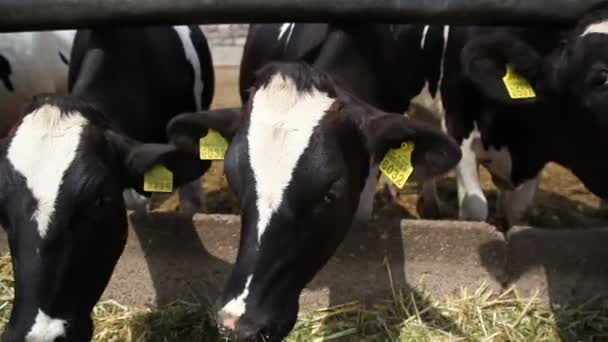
x: 31, y: 63
x: 566, y: 122
x: 296, y: 210
x: 383, y: 65
x: 65, y: 165
x: 185, y: 80
x: 398, y: 66
x: 504, y: 144
x: 299, y: 156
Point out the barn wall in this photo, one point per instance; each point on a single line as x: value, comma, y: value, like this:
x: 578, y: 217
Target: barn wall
x: 226, y: 41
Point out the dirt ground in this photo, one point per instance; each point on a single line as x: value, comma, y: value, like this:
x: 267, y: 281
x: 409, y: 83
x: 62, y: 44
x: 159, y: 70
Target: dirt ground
x: 562, y: 200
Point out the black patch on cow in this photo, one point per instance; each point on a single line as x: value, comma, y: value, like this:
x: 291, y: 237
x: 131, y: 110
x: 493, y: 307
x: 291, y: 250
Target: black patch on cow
x: 68, y: 105
x: 63, y: 58
x: 432, y: 52
x: 206, y: 64
x: 305, y: 77
x: 595, y: 14
x: 5, y: 72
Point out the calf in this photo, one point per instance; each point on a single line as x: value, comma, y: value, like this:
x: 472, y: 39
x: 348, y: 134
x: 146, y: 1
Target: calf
x: 384, y: 65
x: 566, y: 121
x: 396, y: 66
x: 66, y: 163
x: 299, y: 156
x: 177, y: 77
x: 31, y: 63
x: 504, y: 144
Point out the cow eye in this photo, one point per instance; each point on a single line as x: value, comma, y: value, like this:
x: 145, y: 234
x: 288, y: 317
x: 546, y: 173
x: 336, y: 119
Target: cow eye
x: 334, y: 191
x: 330, y: 196
x: 600, y: 79
x: 102, y: 201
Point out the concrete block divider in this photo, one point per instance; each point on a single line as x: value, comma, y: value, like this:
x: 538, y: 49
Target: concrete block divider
x: 568, y: 265
x: 169, y: 257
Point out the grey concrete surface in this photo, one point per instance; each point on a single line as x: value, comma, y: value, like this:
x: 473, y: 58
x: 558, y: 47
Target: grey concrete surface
x: 169, y: 258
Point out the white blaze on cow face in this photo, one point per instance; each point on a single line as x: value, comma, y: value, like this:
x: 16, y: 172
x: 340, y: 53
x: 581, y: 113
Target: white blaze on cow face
x: 601, y: 27
x: 42, y: 149
x: 183, y: 33
x: 282, y: 122
x: 45, y: 328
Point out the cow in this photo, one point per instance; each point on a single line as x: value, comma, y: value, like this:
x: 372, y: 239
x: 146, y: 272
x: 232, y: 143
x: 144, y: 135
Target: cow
x: 31, y: 63
x: 377, y: 63
x: 417, y: 68
x: 295, y: 209
x: 191, y: 57
x: 565, y: 122
x: 504, y: 144
x: 299, y: 155
x: 67, y: 161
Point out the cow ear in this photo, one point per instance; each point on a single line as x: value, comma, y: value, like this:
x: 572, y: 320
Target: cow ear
x: 185, y: 130
x: 434, y: 152
x: 137, y: 159
x: 485, y: 59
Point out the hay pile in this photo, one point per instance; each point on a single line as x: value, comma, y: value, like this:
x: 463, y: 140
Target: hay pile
x: 478, y: 316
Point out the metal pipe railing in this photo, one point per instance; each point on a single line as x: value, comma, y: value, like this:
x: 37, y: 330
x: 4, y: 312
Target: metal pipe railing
x: 25, y: 15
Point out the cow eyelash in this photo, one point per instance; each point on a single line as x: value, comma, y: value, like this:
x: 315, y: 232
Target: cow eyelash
x: 330, y: 196
x: 599, y: 79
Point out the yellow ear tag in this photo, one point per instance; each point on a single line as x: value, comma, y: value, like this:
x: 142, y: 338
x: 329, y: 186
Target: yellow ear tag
x: 517, y: 86
x: 397, y: 164
x: 213, y: 146
x: 158, y: 179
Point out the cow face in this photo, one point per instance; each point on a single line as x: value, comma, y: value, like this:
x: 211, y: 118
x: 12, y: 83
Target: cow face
x: 298, y: 159
x: 63, y: 172
x: 580, y: 69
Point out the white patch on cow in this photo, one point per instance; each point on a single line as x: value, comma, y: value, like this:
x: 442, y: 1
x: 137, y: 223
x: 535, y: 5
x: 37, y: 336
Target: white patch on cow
x: 446, y: 35
x: 472, y: 203
x: 36, y: 66
x: 284, y: 28
x: 425, y: 30
x: 42, y: 149
x: 183, y: 32
x: 45, y: 328
x: 236, y: 307
x: 513, y: 204
x: 282, y: 122
x: 601, y: 28
x: 433, y: 104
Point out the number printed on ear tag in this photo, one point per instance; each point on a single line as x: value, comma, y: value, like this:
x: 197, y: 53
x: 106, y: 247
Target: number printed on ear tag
x: 517, y: 86
x: 397, y: 164
x: 158, y: 179
x: 213, y: 146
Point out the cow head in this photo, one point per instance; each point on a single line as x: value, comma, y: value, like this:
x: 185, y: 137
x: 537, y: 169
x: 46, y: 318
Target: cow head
x: 579, y: 69
x: 63, y: 172
x: 568, y: 119
x: 298, y: 158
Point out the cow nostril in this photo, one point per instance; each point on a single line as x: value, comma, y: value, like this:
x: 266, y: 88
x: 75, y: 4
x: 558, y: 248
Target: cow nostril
x: 223, y: 330
x: 265, y: 336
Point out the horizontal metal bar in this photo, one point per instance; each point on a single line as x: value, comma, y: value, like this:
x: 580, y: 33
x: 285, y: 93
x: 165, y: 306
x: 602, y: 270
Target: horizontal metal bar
x: 25, y: 15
